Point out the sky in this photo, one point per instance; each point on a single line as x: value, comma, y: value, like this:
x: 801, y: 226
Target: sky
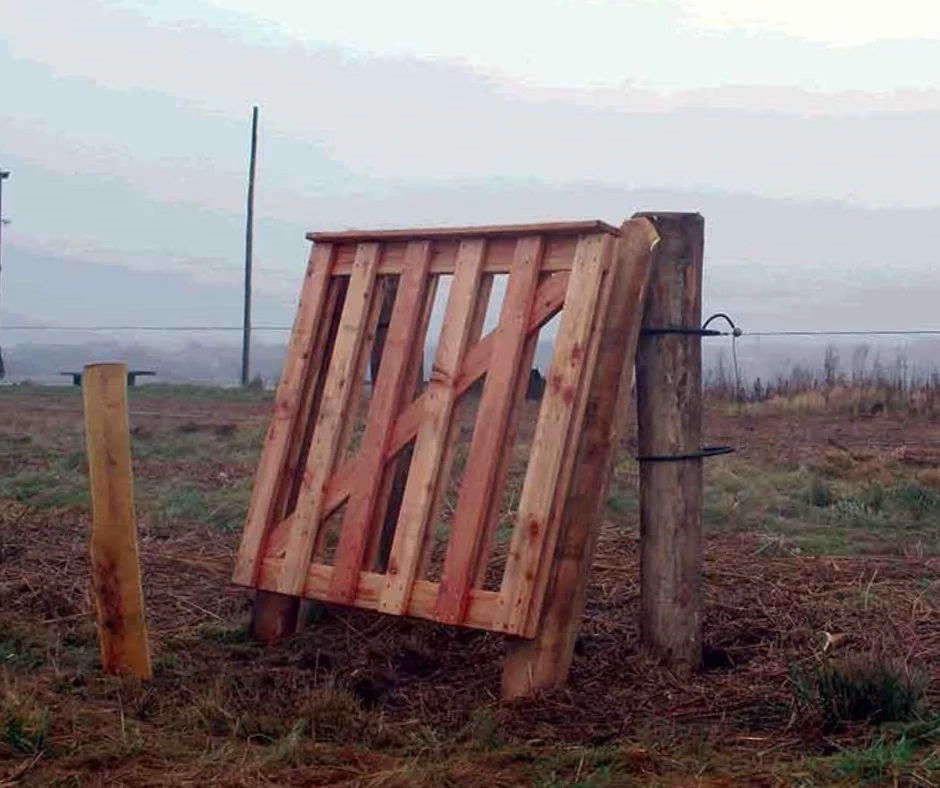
x: 125, y: 123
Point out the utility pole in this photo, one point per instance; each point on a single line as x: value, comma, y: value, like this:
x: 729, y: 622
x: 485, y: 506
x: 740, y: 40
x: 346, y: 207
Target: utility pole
x: 4, y: 174
x: 246, y: 326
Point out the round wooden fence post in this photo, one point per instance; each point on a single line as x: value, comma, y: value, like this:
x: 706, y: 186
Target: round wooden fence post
x: 669, y: 422
x: 116, y: 584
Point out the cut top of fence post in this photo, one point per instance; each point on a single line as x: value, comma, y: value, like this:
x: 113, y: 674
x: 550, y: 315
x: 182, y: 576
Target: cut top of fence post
x: 550, y: 268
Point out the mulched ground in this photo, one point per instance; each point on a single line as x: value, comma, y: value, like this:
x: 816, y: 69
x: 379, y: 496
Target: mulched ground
x: 419, y: 688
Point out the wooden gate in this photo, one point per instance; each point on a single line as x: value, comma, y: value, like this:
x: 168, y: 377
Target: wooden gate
x: 343, y: 508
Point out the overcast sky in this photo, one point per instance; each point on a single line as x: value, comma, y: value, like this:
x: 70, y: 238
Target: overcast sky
x: 125, y: 122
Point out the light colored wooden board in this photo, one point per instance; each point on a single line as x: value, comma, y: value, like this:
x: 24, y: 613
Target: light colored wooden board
x: 487, y: 445
x: 558, y: 408
x: 430, y: 442
x: 460, y: 408
x: 545, y: 660
x: 287, y: 401
x: 559, y: 252
x: 357, y: 387
x: 306, y: 519
x: 312, y: 395
x: 115, y: 563
x: 395, y: 474
x: 386, y: 396
x: 572, y: 441
x: 505, y: 460
x: 462, y: 233
x: 482, y: 608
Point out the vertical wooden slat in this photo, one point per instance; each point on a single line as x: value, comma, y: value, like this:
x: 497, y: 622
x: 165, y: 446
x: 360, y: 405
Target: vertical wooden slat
x: 435, y: 426
x: 287, y: 402
x: 545, y: 660
x: 450, y: 446
x: 383, y: 406
x: 355, y: 400
x: 395, y: 475
x: 119, y: 602
x: 275, y: 616
x: 505, y: 459
x: 570, y: 454
x: 330, y: 425
x: 548, y: 444
x: 483, y: 461
x: 313, y: 394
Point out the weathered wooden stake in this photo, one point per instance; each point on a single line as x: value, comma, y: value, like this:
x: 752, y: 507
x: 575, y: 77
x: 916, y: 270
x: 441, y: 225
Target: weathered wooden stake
x: 669, y: 412
x: 122, y: 631
x: 545, y: 661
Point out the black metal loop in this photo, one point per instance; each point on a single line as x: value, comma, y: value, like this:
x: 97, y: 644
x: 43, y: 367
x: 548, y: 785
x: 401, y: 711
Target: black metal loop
x: 699, y: 332
x: 705, y: 453
x: 704, y: 331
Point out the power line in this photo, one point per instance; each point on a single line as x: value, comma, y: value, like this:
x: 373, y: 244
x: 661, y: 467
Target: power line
x: 142, y: 328
x: 867, y: 332
x: 201, y: 328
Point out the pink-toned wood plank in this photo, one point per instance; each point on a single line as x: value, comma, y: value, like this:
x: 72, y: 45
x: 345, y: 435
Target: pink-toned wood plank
x: 312, y: 394
x: 559, y: 252
x: 435, y: 426
x: 590, y: 226
x: 572, y: 443
x: 493, y: 517
x: 395, y: 474
x: 483, y: 460
x: 548, y: 445
x: 287, y: 402
x: 386, y: 397
x: 306, y: 519
x: 460, y: 407
x: 549, y: 300
x: 481, y: 610
x: 357, y: 390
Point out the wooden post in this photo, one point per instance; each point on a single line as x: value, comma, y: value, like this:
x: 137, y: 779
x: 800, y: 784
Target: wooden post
x: 545, y: 661
x: 669, y: 412
x: 122, y: 632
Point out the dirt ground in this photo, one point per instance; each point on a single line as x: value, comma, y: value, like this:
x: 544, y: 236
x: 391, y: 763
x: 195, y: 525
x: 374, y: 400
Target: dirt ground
x: 363, y: 699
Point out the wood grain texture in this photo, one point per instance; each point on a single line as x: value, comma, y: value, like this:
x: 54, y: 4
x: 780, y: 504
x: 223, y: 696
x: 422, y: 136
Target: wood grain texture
x: 334, y: 410
x: 395, y: 476
x: 558, y: 408
x: 446, y: 467
x: 116, y: 583
x: 558, y: 255
x: 669, y: 412
x: 482, y: 608
x: 570, y: 453
x: 287, y: 401
x: 386, y: 397
x: 430, y: 443
x: 545, y: 660
x: 462, y: 233
x: 469, y: 525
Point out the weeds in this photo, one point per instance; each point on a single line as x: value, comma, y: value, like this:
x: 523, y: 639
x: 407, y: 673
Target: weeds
x: 860, y: 689
x: 26, y: 733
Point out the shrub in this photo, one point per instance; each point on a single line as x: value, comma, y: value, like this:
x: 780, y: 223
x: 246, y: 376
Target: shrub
x: 860, y: 689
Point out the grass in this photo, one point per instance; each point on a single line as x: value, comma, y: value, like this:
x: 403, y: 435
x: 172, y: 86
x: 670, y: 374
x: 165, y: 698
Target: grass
x: 336, y: 702
x: 902, y: 755
x: 820, y: 511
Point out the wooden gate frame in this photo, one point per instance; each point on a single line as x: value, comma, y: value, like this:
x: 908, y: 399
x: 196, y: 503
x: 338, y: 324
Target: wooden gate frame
x: 599, y: 274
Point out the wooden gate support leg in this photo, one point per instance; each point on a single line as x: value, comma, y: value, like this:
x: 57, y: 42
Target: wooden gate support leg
x: 545, y: 661
x: 669, y: 414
